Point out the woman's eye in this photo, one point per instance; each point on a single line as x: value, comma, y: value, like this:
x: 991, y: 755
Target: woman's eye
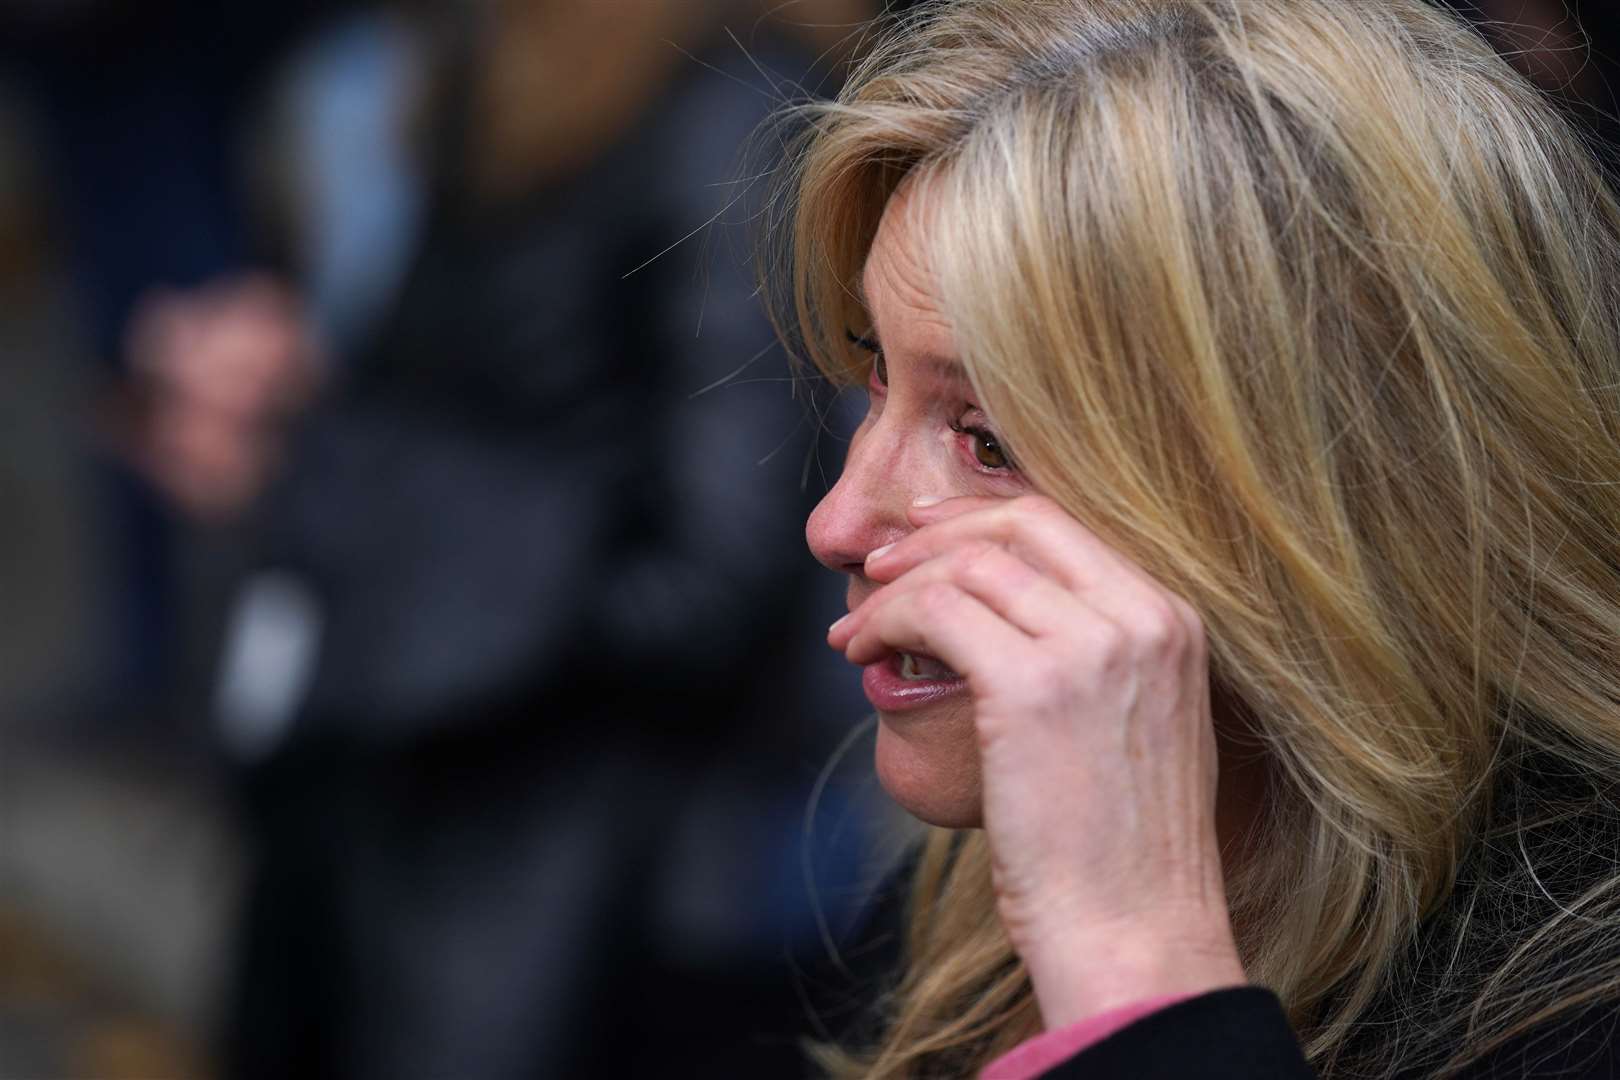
x: 984, y: 444
x: 986, y: 450
x: 868, y: 343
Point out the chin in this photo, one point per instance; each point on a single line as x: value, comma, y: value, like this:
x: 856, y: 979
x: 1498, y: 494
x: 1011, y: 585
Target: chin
x: 931, y: 768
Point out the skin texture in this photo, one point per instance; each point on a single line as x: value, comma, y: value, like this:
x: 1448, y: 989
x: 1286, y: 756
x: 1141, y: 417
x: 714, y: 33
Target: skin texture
x: 1083, y: 739
x: 906, y: 449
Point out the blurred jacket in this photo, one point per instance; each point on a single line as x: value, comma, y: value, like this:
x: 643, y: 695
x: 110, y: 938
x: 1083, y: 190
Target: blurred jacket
x: 540, y: 811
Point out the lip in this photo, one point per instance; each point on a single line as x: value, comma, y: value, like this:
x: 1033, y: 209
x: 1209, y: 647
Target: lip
x: 888, y: 691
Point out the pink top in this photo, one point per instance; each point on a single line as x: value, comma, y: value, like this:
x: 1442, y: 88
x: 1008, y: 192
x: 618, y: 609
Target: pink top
x: 1034, y: 1056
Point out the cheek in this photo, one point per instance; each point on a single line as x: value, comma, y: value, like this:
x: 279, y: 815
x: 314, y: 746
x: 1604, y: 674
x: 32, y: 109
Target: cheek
x: 930, y: 766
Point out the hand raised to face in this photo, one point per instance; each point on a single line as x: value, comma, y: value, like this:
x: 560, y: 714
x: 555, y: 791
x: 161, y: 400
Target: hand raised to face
x: 1090, y: 703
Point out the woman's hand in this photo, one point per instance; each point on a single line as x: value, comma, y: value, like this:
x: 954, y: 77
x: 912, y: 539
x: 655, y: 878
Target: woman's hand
x: 1090, y: 691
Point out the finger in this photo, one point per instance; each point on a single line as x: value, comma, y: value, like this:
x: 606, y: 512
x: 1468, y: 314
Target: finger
x: 1008, y: 585
x: 1033, y: 527
x: 942, y: 621
x: 1045, y: 536
x: 929, y: 508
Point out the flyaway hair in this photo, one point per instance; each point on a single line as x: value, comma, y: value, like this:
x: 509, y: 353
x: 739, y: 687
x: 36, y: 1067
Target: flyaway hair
x: 1311, y: 308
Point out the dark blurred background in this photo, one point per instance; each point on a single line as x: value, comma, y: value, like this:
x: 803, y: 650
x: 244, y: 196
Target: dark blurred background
x: 412, y: 666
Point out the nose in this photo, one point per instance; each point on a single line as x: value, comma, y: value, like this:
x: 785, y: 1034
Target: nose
x: 866, y: 508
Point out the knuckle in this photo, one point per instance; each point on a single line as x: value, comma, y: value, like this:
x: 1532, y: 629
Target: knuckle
x: 937, y: 598
x: 978, y: 575
x: 975, y: 552
x: 1159, y: 629
x: 1188, y: 615
x: 980, y: 564
x: 1111, y: 644
x: 1020, y: 512
x: 1038, y: 505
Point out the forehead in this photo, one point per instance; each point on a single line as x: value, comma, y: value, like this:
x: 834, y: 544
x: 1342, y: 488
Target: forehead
x: 898, y: 283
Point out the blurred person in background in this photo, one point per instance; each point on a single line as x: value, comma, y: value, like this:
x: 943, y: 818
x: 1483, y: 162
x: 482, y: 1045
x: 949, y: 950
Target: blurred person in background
x: 520, y: 526
x: 140, y: 109
x: 126, y: 125
x: 522, y: 693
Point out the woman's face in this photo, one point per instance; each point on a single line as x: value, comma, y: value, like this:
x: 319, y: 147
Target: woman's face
x: 923, y: 437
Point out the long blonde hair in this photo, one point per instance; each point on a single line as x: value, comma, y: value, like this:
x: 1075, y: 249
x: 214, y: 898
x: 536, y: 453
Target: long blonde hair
x: 1311, y: 307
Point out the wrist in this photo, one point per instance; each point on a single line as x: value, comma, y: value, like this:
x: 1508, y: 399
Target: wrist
x: 1081, y: 975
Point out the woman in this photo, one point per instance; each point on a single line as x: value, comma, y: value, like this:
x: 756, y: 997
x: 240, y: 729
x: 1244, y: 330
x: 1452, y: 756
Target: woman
x: 1234, y: 534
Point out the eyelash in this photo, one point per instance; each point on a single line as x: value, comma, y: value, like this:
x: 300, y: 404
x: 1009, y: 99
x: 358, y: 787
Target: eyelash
x: 870, y: 345
x: 987, y: 439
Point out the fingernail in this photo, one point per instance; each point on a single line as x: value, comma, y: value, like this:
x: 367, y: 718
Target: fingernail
x: 839, y: 623
x: 878, y: 553
x: 926, y: 500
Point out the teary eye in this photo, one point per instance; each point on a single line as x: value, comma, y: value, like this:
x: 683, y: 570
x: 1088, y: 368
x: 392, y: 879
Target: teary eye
x: 986, y: 450
x: 985, y: 445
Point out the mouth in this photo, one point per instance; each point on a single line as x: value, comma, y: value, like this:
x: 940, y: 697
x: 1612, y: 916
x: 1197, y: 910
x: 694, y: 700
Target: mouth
x: 918, y: 667
x: 903, y: 682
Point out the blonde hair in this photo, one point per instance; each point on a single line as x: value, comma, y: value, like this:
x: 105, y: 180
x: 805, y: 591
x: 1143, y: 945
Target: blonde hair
x: 1311, y: 307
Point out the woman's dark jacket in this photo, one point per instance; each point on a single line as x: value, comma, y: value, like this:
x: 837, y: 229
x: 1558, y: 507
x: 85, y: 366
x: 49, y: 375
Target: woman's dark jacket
x: 1241, y: 1034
